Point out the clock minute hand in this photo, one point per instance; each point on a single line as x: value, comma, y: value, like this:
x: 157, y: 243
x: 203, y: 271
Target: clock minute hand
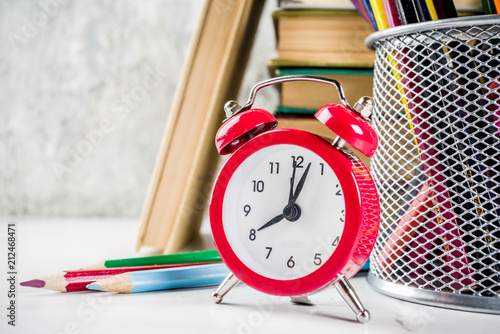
x: 290, y: 195
x: 300, y: 185
x: 273, y: 221
x: 292, y: 181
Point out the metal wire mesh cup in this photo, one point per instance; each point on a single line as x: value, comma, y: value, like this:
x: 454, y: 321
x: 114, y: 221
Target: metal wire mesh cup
x: 437, y: 169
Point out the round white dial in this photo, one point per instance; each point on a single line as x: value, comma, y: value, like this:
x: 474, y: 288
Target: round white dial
x: 284, y: 211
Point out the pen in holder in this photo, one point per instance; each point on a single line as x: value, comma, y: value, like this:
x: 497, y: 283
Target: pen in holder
x: 437, y: 170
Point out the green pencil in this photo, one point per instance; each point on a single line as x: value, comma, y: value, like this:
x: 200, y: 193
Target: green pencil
x: 208, y: 256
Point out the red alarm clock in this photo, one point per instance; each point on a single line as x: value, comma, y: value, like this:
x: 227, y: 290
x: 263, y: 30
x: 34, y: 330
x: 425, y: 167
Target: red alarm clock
x: 291, y: 212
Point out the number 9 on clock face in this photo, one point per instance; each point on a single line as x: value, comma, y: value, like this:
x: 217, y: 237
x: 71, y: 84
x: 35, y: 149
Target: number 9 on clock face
x: 286, y: 212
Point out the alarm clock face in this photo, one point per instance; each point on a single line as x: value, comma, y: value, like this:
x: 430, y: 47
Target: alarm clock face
x: 286, y: 213
x: 271, y: 237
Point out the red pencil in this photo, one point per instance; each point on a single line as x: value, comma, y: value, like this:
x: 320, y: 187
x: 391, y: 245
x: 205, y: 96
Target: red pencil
x: 494, y: 88
x: 77, y: 280
x: 404, y: 232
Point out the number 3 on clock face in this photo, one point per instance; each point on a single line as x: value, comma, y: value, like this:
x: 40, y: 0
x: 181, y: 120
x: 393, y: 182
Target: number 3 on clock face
x: 286, y: 212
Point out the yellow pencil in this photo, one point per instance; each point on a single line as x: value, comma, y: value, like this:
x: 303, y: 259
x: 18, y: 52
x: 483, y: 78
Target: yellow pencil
x: 379, y: 14
x: 432, y: 9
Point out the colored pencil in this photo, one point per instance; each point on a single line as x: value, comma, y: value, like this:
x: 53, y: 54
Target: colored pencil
x: 445, y: 9
x: 362, y: 11
x: 432, y: 10
x: 409, y: 11
x: 493, y: 96
x: 483, y: 215
x: 477, y: 141
x: 462, y: 198
x: 488, y: 7
x: 467, y: 181
x: 425, y: 10
x: 163, y: 279
x: 445, y: 222
x: 77, y: 280
x: 391, y: 13
x: 423, y: 256
x: 395, y: 245
x: 379, y: 14
x: 181, y: 258
x: 368, y: 8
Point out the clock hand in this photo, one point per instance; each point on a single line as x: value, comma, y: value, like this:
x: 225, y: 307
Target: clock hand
x: 292, y: 181
x: 290, y: 195
x: 297, y: 191
x: 273, y: 221
x: 292, y: 211
x: 288, y: 210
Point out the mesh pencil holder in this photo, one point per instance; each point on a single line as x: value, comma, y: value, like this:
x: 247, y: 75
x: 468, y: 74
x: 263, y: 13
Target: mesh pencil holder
x: 437, y: 169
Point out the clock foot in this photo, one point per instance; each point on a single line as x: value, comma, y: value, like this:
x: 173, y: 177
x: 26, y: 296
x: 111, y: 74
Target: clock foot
x: 349, y: 294
x: 301, y: 300
x: 229, y: 282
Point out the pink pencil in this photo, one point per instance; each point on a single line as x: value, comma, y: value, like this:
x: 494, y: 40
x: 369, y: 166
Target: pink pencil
x: 391, y: 13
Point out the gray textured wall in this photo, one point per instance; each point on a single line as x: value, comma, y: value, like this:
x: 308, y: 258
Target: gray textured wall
x: 85, y: 91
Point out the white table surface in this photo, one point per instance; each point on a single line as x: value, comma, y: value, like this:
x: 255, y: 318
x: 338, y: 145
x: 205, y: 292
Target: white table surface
x: 52, y: 245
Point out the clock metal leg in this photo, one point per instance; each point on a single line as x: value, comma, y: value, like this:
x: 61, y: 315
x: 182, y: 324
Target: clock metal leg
x: 229, y: 282
x: 349, y: 294
x: 301, y: 300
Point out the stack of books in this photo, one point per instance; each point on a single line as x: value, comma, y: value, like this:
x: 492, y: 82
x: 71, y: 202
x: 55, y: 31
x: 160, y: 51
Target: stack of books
x: 325, y: 38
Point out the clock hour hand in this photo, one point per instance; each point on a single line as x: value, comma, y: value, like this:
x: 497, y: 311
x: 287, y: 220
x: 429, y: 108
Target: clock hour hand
x: 273, y: 221
x: 290, y: 212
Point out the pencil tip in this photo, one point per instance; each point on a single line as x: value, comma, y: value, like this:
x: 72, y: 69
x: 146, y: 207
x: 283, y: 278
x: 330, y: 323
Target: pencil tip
x: 95, y: 286
x: 35, y: 283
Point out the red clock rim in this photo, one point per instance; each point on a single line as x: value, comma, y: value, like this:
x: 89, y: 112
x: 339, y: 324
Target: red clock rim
x: 332, y: 267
